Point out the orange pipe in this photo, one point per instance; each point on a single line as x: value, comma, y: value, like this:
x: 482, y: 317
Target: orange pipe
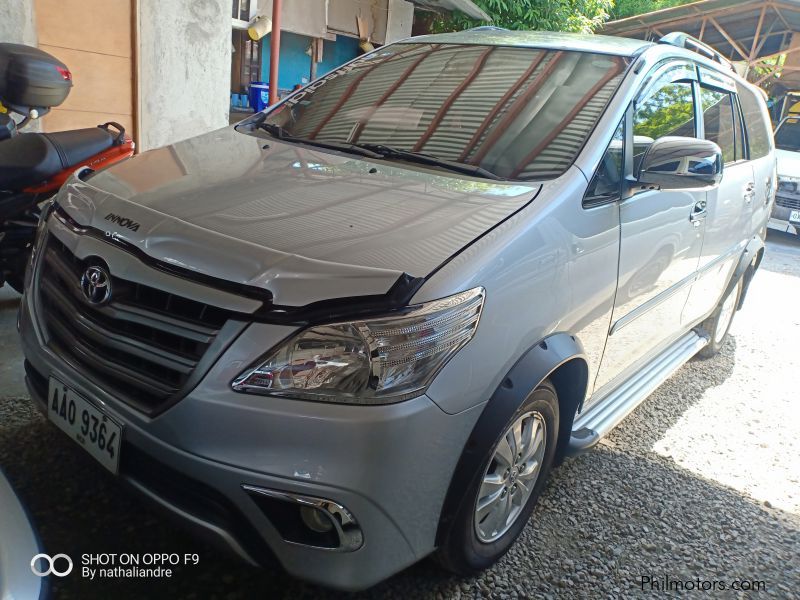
x: 274, y: 51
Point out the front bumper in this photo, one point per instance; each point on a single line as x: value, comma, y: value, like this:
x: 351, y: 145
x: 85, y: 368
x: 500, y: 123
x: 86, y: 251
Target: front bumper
x: 390, y: 466
x: 780, y: 217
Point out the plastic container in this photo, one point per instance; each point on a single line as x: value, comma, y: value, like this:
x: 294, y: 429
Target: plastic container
x: 31, y: 78
x: 258, y: 95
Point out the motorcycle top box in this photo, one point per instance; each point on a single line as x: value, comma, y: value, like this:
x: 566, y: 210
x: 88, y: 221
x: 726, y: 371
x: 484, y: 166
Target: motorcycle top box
x: 31, y: 78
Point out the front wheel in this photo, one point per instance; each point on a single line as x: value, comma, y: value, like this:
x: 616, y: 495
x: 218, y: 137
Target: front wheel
x: 719, y: 323
x: 503, y: 494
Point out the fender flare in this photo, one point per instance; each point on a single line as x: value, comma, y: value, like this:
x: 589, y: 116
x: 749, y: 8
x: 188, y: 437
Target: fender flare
x: 538, y: 362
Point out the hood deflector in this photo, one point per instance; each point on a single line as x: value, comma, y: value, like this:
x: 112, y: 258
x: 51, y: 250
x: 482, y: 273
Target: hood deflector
x: 398, y: 296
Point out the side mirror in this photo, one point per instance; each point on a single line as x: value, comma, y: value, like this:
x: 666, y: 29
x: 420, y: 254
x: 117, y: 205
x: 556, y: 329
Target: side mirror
x: 679, y: 163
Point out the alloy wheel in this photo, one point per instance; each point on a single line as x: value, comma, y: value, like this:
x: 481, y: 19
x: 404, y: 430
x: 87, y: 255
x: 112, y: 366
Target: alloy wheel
x: 511, y: 476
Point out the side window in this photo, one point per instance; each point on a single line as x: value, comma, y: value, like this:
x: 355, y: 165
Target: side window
x: 606, y: 184
x: 718, y: 121
x: 668, y: 111
x: 758, y: 130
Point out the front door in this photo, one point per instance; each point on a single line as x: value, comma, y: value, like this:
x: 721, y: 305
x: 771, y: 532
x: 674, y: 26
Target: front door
x: 659, y: 241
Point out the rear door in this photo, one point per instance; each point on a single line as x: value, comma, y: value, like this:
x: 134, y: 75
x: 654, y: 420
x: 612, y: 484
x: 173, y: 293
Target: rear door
x: 659, y: 243
x: 761, y: 150
x: 730, y: 205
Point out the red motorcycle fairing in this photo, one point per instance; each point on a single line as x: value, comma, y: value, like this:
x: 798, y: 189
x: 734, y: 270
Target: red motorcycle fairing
x: 104, y: 159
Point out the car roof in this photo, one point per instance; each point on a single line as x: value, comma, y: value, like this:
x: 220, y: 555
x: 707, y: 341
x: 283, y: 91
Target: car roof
x: 493, y: 36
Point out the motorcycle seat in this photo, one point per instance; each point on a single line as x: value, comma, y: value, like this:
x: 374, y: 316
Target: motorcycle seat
x: 31, y: 158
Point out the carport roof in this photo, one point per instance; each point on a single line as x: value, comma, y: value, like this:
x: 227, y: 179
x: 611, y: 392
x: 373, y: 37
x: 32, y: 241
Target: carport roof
x: 741, y: 30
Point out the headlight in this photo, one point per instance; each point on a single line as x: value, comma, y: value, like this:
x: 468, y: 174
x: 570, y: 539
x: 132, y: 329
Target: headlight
x: 374, y: 361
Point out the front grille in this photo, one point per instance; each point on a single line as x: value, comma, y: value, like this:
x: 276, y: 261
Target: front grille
x: 786, y: 202
x: 143, y: 346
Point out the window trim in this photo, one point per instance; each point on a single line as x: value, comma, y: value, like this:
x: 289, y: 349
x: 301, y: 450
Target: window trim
x: 586, y: 201
x: 252, y: 12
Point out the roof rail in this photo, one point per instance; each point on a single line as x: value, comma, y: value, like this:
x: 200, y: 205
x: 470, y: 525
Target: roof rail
x: 684, y: 40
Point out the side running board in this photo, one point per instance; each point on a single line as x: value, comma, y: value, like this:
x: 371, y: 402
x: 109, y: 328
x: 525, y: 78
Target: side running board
x: 594, y: 423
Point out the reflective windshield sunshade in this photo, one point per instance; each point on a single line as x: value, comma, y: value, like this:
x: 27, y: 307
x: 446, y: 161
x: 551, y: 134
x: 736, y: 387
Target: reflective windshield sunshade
x: 374, y: 361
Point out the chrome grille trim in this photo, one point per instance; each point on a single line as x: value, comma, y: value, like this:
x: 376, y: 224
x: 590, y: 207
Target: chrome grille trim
x: 146, y: 347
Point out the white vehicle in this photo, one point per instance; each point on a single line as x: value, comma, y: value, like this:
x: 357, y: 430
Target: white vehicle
x: 786, y: 210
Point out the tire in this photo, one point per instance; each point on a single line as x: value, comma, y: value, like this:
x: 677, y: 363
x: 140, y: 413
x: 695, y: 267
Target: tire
x: 719, y: 323
x: 473, y: 542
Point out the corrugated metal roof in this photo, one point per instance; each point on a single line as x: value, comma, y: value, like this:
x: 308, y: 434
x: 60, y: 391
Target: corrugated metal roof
x: 739, y: 19
x: 524, y: 113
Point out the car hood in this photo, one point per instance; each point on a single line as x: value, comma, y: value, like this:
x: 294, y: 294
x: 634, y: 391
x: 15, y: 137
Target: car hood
x: 788, y: 163
x: 304, y: 224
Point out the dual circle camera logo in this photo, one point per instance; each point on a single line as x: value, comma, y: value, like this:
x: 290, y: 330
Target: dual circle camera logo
x: 52, y: 563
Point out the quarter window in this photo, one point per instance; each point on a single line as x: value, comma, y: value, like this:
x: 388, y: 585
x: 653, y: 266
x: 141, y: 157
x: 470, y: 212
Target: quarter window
x: 607, y: 181
x: 758, y: 131
x: 718, y: 121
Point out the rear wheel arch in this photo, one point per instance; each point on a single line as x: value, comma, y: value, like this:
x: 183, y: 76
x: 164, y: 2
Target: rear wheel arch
x: 558, y: 357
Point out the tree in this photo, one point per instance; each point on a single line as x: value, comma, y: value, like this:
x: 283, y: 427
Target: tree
x: 629, y: 8
x: 550, y: 15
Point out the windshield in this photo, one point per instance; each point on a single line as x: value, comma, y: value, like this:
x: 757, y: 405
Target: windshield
x: 787, y: 136
x: 512, y: 113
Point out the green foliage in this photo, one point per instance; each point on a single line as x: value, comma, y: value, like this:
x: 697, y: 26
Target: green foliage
x: 629, y: 8
x: 549, y: 15
x: 584, y: 16
x: 667, y: 112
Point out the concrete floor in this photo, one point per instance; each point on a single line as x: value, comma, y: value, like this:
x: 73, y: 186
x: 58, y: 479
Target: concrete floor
x: 12, y: 381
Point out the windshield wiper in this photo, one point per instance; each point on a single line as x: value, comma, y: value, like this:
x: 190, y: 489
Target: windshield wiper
x: 428, y: 159
x: 280, y: 133
x: 372, y: 150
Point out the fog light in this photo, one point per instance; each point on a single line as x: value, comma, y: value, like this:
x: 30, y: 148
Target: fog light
x: 315, y: 519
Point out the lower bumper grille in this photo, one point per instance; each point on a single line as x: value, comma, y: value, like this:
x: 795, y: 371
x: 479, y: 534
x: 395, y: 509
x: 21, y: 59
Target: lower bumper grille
x: 787, y: 202
x: 144, y: 346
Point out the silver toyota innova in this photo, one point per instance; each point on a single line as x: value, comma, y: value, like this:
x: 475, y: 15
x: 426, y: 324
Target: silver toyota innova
x: 361, y: 327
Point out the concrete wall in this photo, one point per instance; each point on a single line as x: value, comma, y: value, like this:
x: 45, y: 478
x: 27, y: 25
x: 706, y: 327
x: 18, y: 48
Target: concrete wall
x: 306, y: 17
x: 16, y: 22
x: 184, y: 56
x: 295, y: 64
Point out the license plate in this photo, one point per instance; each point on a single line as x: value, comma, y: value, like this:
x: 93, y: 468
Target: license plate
x: 99, y: 435
x: 794, y: 216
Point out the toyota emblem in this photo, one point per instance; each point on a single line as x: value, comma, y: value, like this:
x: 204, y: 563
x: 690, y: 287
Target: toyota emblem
x: 96, y: 285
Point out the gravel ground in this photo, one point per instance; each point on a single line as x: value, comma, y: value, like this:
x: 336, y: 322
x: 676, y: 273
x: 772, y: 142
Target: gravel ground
x: 700, y: 482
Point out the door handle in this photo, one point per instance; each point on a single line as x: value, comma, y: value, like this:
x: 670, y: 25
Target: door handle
x: 699, y: 213
x: 749, y: 192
